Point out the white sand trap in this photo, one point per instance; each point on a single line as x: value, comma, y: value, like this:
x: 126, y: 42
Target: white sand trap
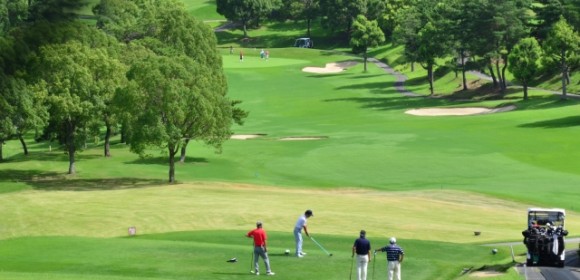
x: 306, y: 138
x: 245, y: 136
x: 458, y: 111
x: 335, y: 67
x: 486, y: 273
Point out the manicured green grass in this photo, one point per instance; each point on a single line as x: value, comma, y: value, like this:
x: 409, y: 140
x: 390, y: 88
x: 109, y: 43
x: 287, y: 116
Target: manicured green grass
x: 203, y: 255
x: 431, y: 181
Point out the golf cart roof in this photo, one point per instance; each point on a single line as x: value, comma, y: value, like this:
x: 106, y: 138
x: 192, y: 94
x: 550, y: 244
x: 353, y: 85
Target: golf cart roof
x: 559, y: 210
x: 303, y: 38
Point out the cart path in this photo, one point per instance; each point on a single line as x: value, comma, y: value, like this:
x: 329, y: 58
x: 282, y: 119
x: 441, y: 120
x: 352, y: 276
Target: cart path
x: 401, y: 78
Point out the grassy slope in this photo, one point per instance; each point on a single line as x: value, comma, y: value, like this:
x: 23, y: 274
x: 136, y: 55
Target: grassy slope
x: 203, y: 255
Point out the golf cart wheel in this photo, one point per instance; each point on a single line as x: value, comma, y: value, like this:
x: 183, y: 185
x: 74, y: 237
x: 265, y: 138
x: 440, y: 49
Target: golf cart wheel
x: 529, y: 262
x: 560, y: 264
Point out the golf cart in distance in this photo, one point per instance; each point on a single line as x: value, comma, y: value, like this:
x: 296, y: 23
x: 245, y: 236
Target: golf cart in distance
x: 544, y: 237
x: 304, y: 43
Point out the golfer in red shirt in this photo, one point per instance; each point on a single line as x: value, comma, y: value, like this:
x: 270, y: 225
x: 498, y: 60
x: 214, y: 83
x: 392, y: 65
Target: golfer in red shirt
x: 260, y: 249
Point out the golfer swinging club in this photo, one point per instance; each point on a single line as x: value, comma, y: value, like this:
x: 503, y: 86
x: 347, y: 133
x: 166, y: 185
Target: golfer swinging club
x: 260, y: 248
x: 395, y: 256
x: 301, y: 224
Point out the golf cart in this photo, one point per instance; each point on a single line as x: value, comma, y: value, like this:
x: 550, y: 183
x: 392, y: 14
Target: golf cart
x: 304, y: 43
x: 544, y: 237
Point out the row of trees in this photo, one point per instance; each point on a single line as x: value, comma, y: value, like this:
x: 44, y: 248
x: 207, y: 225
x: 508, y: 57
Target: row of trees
x: 477, y: 34
x: 483, y: 34
x: 147, y: 69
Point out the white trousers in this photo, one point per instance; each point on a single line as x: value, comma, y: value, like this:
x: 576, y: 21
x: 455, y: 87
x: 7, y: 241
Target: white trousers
x: 394, y: 270
x: 298, y: 237
x: 362, y: 262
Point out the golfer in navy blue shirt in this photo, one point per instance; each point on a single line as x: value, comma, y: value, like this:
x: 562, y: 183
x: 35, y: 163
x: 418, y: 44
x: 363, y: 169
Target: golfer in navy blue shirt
x: 362, y: 249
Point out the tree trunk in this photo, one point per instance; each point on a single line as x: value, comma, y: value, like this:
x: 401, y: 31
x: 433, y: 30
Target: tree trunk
x: 505, y: 65
x: 308, y: 21
x: 464, y: 78
x: 24, y: 147
x: 71, y: 148
x: 184, y: 150
x: 492, y: 74
x: 499, y: 78
x: 244, y: 23
x: 563, y: 62
x: 365, y: 59
x: 172, y: 152
x: 430, y: 77
x: 412, y: 67
x: 1, y: 150
x: 108, y: 139
x: 525, y: 84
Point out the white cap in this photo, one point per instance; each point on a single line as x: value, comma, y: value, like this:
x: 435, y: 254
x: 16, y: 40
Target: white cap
x: 393, y: 240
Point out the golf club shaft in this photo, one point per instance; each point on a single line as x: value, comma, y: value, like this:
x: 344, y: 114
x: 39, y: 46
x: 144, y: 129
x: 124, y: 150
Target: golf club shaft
x: 351, y: 265
x: 312, y: 238
x: 374, y: 264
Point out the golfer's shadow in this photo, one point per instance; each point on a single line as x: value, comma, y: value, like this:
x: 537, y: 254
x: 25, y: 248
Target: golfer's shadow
x: 278, y: 255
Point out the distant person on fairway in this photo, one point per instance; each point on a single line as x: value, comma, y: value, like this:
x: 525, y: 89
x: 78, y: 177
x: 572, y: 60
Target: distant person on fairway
x: 395, y: 256
x: 260, y: 249
x: 267, y: 54
x: 231, y: 50
x: 241, y: 55
x: 301, y: 224
x: 362, y: 248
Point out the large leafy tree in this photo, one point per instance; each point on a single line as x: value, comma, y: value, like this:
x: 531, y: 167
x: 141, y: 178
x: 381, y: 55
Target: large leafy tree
x: 178, y: 86
x: 523, y: 61
x: 173, y: 102
x: 562, y: 46
x: 366, y: 33
x: 76, y: 79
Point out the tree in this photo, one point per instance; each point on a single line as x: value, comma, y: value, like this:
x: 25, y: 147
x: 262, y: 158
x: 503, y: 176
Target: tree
x: 177, y: 89
x: 303, y: 9
x: 173, y: 102
x: 562, y: 46
x: 523, y: 61
x: 432, y: 45
x: 340, y: 14
x: 75, y: 78
x: 366, y: 34
x: 406, y: 33
x: 245, y: 11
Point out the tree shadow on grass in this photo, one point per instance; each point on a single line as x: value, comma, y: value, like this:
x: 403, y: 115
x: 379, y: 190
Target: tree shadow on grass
x: 393, y: 103
x: 165, y: 160
x: 555, y: 123
x: 54, y: 181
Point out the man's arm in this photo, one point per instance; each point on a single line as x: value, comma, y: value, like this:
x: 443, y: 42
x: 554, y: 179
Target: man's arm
x: 353, y: 250
x: 306, y: 230
x: 401, y: 256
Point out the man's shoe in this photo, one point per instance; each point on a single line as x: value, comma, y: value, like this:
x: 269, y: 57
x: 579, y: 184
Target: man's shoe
x: 300, y: 256
x: 270, y: 273
x: 257, y: 273
x: 302, y: 253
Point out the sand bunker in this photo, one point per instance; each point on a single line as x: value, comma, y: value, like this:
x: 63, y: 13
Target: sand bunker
x: 246, y: 136
x: 334, y: 67
x: 484, y: 274
x: 303, y: 138
x: 458, y: 111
